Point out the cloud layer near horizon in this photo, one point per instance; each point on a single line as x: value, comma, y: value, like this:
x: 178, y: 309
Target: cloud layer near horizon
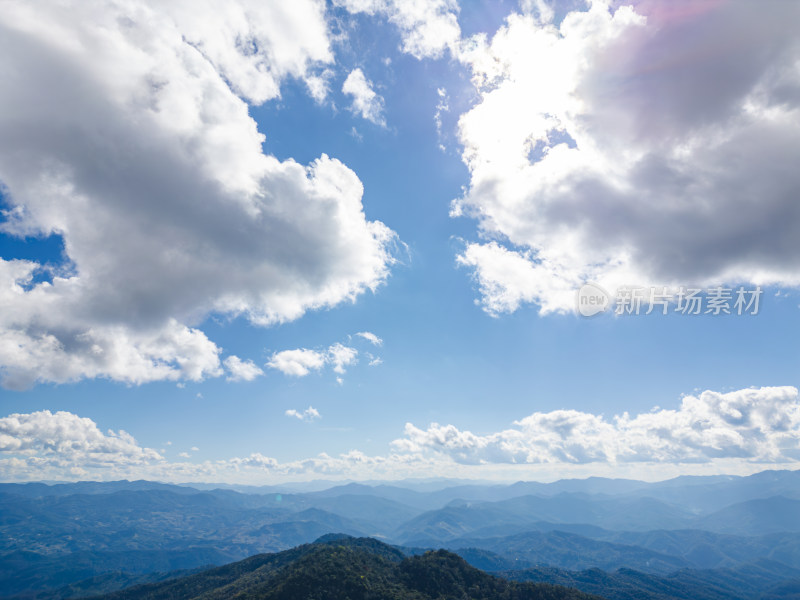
x: 143, y: 158
x: 760, y: 425
x: 647, y: 145
x: 714, y: 431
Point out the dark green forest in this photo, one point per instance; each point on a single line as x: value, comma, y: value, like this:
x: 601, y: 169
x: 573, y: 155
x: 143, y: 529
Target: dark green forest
x: 341, y: 568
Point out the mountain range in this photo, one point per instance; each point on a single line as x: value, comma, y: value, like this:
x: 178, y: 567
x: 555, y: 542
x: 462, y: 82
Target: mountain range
x: 72, y: 539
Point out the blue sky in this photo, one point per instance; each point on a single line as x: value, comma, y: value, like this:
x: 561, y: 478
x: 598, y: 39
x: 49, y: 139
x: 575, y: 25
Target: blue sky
x: 176, y: 286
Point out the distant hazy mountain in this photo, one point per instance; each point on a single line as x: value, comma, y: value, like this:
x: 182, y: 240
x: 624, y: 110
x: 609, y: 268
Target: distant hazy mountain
x: 707, y: 550
x: 697, y: 494
x: 38, y: 490
x: 371, y: 512
x: 707, y: 494
x: 753, y: 517
x: 763, y: 581
x: 570, y: 551
x: 488, y: 519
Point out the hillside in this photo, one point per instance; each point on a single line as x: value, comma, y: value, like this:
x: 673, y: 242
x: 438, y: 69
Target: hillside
x: 755, y: 581
x: 340, y: 568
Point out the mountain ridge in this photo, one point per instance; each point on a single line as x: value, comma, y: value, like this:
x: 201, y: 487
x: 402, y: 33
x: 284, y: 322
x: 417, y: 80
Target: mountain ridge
x: 339, y: 568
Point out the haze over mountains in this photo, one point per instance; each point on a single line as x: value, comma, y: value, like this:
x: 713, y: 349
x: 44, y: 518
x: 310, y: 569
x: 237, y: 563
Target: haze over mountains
x: 75, y: 539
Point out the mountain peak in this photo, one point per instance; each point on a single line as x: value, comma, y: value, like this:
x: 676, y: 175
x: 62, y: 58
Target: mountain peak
x: 333, y: 537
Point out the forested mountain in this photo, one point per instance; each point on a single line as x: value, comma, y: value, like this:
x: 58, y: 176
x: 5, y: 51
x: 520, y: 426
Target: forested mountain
x: 348, y: 569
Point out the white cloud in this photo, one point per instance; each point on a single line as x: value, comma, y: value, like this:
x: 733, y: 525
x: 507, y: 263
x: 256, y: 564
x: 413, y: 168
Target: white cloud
x: 255, y: 44
x: 298, y: 363
x: 370, y: 337
x: 37, y: 344
x: 124, y: 129
x: 736, y: 433
x: 195, y: 449
x: 241, y: 370
x: 308, y: 414
x: 319, y: 85
x: 255, y: 460
x: 62, y: 439
x: 506, y: 279
x: 341, y: 356
x: 184, y: 455
x: 651, y: 146
x: 302, y: 361
x: 539, y: 9
x: 755, y: 425
x: 427, y: 27
x: 366, y: 102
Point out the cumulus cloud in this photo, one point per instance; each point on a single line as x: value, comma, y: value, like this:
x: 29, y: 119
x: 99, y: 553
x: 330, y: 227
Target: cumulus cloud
x: 63, y: 440
x: 255, y: 460
x: 36, y: 344
x: 756, y: 425
x: 428, y: 27
x: 651, y: 145
x: 366, y: 102
x: 298, y: 363
x: 124, y: 129
x: 370, y: 337
x: 302, y: 361
x: 308, y: 414
x: 735, y: 432
x: 241, y: 370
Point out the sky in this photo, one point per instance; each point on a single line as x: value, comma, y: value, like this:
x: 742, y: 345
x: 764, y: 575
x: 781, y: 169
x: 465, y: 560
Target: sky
x: 259, y: 242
